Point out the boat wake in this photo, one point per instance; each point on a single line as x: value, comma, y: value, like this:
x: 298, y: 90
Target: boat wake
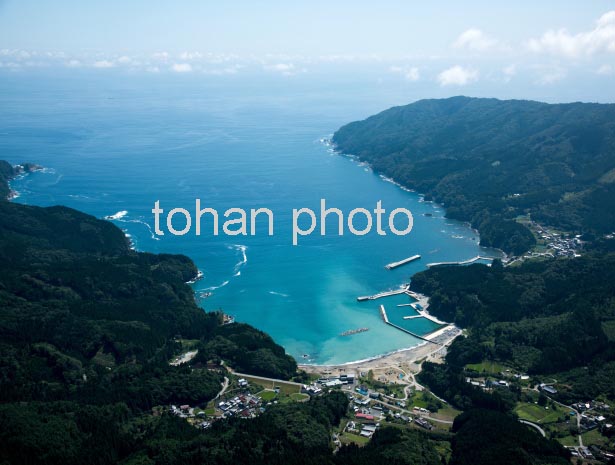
x: 278, y: 293
x: 213, y: 288
x: 244, y: 257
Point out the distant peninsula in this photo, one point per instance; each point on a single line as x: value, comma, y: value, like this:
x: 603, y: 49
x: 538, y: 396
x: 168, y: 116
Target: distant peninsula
x: 492, y: 162
x: 8, y: 171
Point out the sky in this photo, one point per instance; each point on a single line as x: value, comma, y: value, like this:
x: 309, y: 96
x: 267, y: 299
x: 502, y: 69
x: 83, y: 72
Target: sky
x: 448, y: 44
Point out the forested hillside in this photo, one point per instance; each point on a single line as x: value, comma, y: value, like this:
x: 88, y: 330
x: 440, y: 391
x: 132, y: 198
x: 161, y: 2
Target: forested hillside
x: 543, y: 316
x: 87, y: 329
x: 489, y: 161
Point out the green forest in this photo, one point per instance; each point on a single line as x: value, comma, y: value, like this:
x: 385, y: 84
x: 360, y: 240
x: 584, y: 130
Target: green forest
x: 542, y: 318
x: 87, y: 329
x: 88, y: 325
x: 489, y: 161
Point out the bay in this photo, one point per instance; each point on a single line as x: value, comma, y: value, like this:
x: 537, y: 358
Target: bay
x: 113, y: 146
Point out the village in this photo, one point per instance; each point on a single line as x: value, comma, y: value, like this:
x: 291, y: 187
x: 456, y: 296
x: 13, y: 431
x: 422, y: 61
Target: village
x: 550, y: 244
x: 384, y: 391
x: 584, y: 427
x: 250, y: 396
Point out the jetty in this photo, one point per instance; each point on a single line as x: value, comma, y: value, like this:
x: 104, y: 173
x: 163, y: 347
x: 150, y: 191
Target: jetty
x: 393, y: 265
x: 350, y: 332
x: 401, y: 290
x: 383, y: 314
x: 464, y: 262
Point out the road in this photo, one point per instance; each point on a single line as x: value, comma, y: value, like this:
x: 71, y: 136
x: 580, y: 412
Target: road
x: 224, y: 388
x: 272, y: 380
x: 577, y: 414
x: 534, y: 425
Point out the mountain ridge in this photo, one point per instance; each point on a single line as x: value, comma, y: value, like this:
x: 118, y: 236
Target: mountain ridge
x: 489, y: 161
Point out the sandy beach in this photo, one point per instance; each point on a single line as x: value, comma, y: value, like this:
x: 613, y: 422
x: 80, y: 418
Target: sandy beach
x: 407, y: 362
x: 388, y: 367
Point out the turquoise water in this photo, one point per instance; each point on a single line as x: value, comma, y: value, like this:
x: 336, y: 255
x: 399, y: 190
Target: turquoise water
x: 118, y: 146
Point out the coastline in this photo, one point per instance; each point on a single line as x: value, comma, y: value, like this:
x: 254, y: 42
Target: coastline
x: 20, y: 171
x: 328, y: 142
x: 402, y: 358
x: 434, y: 342
x: 407, y: 352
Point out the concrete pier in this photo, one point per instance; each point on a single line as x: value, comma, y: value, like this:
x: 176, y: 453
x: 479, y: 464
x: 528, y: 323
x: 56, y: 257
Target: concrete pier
x: 393, y: 265
x: 402, y: 290
x: 464, y: 262
x: 383, y: 313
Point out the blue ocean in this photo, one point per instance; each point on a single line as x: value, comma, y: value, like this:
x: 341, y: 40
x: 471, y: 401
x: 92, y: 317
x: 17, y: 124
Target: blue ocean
x: 112, y: 146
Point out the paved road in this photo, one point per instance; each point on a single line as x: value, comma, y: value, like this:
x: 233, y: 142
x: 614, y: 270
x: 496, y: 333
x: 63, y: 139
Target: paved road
x: 577, y: 414
x: 272, y: 380
x: 403, y: 410
x: 224, y: 388
x: 534, y: 425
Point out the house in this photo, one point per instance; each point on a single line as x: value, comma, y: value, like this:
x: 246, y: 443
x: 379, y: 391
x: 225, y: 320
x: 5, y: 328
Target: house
x: 424, y: 423
x: 242, y: 383
x: 548, y: 389
x: 585, y: 452
x: 370, y: 428
x: 312, y: 390
x: 333, y: 383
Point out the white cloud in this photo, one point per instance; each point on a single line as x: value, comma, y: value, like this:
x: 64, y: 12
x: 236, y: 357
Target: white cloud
x: 282, y: 67
x: 561, y: 42
x: 605, y: 70
x: 475, y: 40
x: 10, y: 65
x: 286, y: 69
x: 160, y: 56
x: 551, y: 74
x: 190, y: 56
x: 457, y: 75
x: 410, y: 73
x: 510, y: 70
x: 234, y: 69
x: 152, y: 69
x: 124, y: 60
x: 103, y: 64
x: 181, y: 67
x: 73, y: 63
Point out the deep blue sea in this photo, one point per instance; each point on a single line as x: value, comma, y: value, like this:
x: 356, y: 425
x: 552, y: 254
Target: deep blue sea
x: 115, y: 145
